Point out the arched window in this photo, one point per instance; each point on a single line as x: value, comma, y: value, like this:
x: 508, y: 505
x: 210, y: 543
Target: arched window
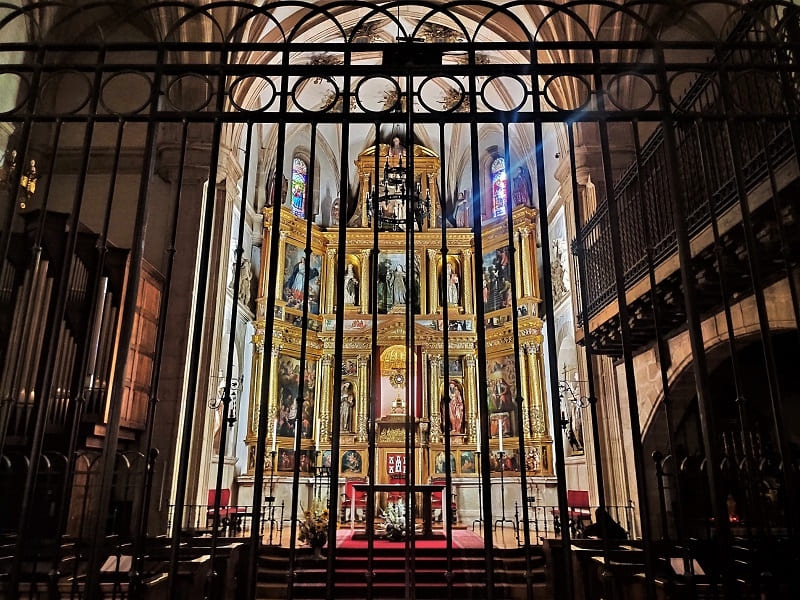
x: 499, y: 187
x: 299, y: 179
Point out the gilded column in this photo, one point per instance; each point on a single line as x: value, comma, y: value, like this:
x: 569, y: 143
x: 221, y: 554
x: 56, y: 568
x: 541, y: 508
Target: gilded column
x: 431, y: 179
x: 365, y: 187
x: 330, y: 279
x: 525, y: 390
x: 433, y: 386
x: 466, y: 276
x: 273, y: 393
x: 255, y: 393
x: 364, y: 285
x: 471, y: 378
x: 538, y: 413
x: 363, y: 398
x: 280, y: 259
x: 425, y: 388
x: 325, y: 399
x: 525, y: 252
x: 433, y: 294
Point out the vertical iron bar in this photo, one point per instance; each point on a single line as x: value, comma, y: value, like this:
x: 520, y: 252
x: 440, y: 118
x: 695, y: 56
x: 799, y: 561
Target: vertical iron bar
x: 662, y: 347
x: 480, y: 326
x: 201, y: 295
x: 444, y: 403
x: 344, y: 198
x: 693, y: 316
x: 108, y: 458
x: 155, y: 380
x: 95, y: 310
x: 550, y: 337
x: 212, y: 581
x: 309, y: 201
x: 56, y: 316
x: 374, y: 366
x: 754, y: 268
x: 269, y: 337
x: 512, y: 249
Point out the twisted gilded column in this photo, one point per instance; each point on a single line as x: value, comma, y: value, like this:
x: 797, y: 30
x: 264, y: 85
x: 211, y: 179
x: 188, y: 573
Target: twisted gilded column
x: 525, y: 390
x: 325, y: 398
x: 330, y: 279
x: 363, y: 399
x: 363, y: 286
x: 471, y: 378
x: 433, y: 387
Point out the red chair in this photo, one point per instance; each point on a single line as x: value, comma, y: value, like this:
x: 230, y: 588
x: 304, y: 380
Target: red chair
x: 436, y: 501
x: 578, y: 511
x: 351, y: 494
x: 227, y: 513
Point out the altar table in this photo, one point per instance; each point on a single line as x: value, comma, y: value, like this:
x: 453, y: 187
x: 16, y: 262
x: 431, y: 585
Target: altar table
x: 426, y: 489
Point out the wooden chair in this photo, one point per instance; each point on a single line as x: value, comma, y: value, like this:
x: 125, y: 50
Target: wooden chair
x: 578, y: 511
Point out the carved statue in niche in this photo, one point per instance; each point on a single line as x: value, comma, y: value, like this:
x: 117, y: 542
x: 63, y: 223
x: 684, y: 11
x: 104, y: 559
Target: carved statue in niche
x: 461, y: 210
x: 453, y: 285
x: 350, y: 285
x: 348, y: 400
x: 522, y: 188
x: 245, y: 279
x: 589, y: 197
x: 397, y: 149
x: 558, y: 270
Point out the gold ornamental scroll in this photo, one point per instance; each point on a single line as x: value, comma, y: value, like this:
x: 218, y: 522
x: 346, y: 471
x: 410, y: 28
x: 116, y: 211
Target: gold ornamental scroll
x: 470, y: 378
x: 363, y: 399
x: 363, y: 286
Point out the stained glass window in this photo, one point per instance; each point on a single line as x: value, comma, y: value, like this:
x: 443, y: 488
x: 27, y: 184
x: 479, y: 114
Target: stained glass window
x: 499, y: 187
x: 299, y: 178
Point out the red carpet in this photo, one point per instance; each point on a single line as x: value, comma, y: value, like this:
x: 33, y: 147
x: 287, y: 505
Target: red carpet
x: 462, y: 538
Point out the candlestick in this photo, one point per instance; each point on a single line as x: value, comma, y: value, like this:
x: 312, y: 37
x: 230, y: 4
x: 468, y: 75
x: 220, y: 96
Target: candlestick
x: 274, y: 434
x: 500, y: 422
x: 316, y: 436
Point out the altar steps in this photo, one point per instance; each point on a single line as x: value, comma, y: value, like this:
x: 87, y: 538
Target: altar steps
x: 428, y: 574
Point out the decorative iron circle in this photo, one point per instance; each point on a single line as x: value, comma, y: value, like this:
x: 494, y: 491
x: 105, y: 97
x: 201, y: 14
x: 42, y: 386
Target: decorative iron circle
x: 576, y: 83
x: 329, y: 98
x: 126, y: 93
x: 67, y: 91
x: 368, y: 86
x: 633, y: 84
x: 509, y: 82
x: 9, y: 81
x: 695, y: 93
x: 265, y: 98
x: 451, y: 93
x: 199, y: 85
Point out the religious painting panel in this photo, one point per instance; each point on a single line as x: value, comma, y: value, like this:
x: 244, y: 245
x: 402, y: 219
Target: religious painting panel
x: 395, y: 290
x: 455, y: 393
x: 496, y: 285
x: 325, y: 461
x: 295, y: 271
x: 506, y: 461
x: 440, y: 466
x: 467, y: 462
x: 286, y: 460
x: 501, y: 378
x: 352, y: 463
x: 288, y: 390
x: 456, y: 367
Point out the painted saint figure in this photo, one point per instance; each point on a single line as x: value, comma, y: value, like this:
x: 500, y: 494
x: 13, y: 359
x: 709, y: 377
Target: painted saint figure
x: 456, y: 408
x: 522, y: 188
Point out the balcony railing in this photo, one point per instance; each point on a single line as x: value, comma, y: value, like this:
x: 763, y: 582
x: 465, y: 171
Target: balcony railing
x: 706, y: 177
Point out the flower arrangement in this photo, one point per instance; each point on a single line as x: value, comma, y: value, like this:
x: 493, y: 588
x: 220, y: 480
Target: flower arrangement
x: 314, y: 526
x: 394, y: 521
